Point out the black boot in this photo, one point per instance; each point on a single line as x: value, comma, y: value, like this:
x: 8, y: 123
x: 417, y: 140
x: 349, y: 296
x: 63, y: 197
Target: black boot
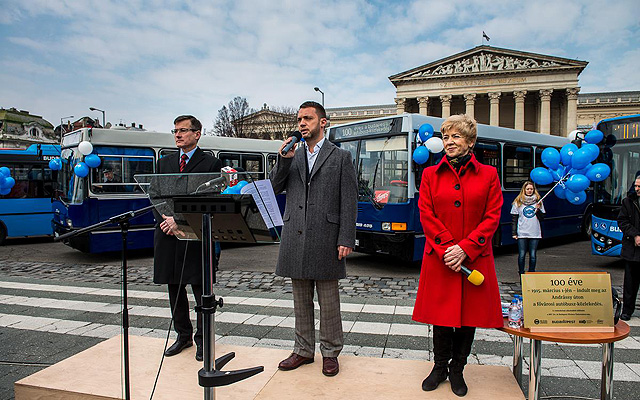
x: 442, y: 339
x: 462, y: 341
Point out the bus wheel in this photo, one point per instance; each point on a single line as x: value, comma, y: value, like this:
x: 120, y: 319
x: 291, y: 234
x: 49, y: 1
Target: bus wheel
x: 3, y: 233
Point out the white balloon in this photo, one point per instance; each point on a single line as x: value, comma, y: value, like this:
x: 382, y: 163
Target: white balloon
x: 85, y: 148
x: 434, y: 144
x: 572, y: 135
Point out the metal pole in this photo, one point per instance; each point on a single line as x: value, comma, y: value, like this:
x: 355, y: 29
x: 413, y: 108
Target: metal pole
x: 208, y: 319
x: 606, y: 384
x: 124, y: 226
x: 517, y: 359
x: 534, y: 369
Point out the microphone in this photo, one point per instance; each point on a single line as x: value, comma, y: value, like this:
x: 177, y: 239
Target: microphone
x: 474, y: 276
x: 215, y: 182
x: 296, y: 137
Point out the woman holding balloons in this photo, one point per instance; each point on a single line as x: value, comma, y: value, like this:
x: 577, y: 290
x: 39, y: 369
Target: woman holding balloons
x: 460, y: 201
x: 526, y: 213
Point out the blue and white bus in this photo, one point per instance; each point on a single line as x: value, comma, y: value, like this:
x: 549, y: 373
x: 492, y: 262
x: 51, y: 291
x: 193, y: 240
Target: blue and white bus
x: 111, y: 189
x: 388, y: 216
x: 621, y: 151
x: 26, y: 210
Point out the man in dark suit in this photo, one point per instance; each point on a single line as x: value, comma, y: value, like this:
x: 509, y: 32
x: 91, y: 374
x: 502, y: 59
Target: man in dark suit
x: 171, y: 265
x: 629, y: 224
x: 319, y: 233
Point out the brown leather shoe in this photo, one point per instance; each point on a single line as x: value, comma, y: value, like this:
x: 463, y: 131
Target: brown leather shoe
x: 330, y: 366
x: 293, y: 362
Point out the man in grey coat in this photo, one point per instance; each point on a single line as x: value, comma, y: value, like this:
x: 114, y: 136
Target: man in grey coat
x: 629, y: 224
x: 319, y: 233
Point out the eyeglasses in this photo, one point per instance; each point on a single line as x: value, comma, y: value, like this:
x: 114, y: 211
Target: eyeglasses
x: 183, y: 130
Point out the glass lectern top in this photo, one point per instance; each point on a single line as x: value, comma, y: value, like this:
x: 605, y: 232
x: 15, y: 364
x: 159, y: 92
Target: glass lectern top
x: 235, y: 217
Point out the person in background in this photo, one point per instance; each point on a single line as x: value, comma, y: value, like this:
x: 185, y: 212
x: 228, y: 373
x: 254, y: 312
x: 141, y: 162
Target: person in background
x: 460, y: 201
x: 319, y: 233
x: 527, y: 211
x: 171, y: 265
x: 629, y: 224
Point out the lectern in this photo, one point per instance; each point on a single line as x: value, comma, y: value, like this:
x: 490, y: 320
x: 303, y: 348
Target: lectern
x: 202, y: 212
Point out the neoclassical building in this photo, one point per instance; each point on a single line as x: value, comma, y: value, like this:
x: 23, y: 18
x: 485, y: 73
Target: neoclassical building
x: 19, y: 129
x: 501, y: 87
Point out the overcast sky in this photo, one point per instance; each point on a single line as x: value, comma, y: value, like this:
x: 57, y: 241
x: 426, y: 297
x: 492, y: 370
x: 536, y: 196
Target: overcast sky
x: 149, y: 61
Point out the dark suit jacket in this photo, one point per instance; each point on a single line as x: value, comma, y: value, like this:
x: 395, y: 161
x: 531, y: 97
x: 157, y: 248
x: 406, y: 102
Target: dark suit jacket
x: 317, y: 222
x: 168, y: 254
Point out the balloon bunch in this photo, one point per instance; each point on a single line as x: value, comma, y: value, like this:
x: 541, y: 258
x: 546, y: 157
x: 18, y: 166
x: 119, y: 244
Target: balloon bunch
x: 572, y: 168
x: 81, y: 169
x: 6, y: 181
x: 426, y: 143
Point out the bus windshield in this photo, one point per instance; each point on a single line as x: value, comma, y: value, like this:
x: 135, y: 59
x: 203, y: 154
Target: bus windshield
x: 381, y: 167
x: 625, y: 164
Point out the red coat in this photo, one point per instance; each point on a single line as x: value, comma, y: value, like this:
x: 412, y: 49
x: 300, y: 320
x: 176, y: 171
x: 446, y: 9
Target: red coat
x: 463, y: 210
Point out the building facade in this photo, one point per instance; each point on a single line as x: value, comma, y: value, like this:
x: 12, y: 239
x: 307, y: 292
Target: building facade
x: 19, y: 129
x: 501, y: 87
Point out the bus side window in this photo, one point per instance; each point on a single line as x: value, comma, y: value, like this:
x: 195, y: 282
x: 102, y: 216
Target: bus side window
x: 252, y: 164
x: 271, y: 162
x: 517, y: 164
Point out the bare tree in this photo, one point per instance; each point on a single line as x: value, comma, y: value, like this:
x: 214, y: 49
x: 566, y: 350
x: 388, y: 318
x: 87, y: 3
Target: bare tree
x: 231, y: 118
x: 280, y: 122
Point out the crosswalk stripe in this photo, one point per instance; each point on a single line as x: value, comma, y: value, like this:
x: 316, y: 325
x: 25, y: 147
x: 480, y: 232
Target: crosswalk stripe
x: 581, y: 369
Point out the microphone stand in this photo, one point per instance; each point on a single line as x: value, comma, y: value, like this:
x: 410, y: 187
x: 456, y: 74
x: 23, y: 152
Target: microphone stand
x: 123, y: 221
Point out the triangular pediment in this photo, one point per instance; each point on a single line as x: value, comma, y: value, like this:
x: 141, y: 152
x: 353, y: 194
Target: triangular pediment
x: 484, y: 60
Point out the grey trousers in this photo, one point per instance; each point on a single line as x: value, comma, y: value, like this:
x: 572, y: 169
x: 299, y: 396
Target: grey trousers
x: 331, y: 335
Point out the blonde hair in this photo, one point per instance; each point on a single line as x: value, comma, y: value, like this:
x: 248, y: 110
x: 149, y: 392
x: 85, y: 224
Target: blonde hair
x: 520, y: 199
x: 464, y: 124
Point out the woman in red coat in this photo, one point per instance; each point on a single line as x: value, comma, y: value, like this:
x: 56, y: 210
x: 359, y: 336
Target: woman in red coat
x: 460, y: 201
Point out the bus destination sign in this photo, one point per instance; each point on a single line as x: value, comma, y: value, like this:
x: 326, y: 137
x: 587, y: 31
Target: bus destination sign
x: 393, y: 125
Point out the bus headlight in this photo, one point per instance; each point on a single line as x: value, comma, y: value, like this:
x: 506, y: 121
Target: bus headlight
x: 386, y: 226
x: 599, y: 248
x: 609, y: 242
x: 596, y: 235
x: 69, y: 223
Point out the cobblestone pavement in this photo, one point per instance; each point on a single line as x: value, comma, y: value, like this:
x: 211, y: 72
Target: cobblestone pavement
x: 353, y: 286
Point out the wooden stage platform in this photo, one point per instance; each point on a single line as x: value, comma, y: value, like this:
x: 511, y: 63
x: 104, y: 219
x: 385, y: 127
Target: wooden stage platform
x: 95, y: 374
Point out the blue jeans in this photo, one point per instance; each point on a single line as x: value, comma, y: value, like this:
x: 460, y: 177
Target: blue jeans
x: 524, y: 245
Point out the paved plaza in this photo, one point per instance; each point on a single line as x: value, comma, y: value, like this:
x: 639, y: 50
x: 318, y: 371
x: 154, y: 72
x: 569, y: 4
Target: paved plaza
x: 52, y: 310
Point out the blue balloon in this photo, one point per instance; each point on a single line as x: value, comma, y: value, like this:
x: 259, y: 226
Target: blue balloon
x: 2, y: 179
x: 92, y: 160
x: 582, y: 171
x: 551, y: 157
x: 593, y: 150
x: 242, y: 184
x: 420, y: 155
x: 560, y: 192
x: 4, y: 192
x: 541, y: 176
x: 557, y: 174
x: 598, y: 172
x: 81, y: 169
x: 55, y: 164
x: 8, y: 183
x: 577, y: 183
x: 566, y: 152
x: 5, y: 171
x: 594, y: 136
x: 425, y: 132
x: 580, y: 158
x: 232, y: 190
x: 576, y: 198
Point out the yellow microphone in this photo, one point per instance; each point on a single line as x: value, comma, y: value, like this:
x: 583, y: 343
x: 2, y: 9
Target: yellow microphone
x: 474, y: 276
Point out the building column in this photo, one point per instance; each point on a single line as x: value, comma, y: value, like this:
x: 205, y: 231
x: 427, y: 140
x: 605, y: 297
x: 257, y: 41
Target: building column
x: 545, y: 110
x: 446, y: 105
x: 400, y: 103
x: 494, y: 115
x: 423, y: 103
x: 519, y: 96
x: 470, y: 100
x: 572, y: 109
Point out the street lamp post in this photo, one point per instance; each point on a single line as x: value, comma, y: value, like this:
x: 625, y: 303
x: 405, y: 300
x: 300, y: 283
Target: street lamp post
x: 317, y: 89
x: 102, y: 111
x: 61, y: 127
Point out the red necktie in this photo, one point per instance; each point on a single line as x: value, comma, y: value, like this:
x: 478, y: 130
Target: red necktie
x: 183, y: 162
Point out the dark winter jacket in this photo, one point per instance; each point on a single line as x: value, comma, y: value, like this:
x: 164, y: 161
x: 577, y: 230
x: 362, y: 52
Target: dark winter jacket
x: 629, y: 224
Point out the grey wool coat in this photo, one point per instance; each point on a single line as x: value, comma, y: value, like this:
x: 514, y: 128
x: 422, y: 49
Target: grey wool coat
x: 315, y: 224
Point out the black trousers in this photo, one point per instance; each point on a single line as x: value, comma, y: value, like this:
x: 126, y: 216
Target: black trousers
x: 630, y: 288
x: 180, y: 309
